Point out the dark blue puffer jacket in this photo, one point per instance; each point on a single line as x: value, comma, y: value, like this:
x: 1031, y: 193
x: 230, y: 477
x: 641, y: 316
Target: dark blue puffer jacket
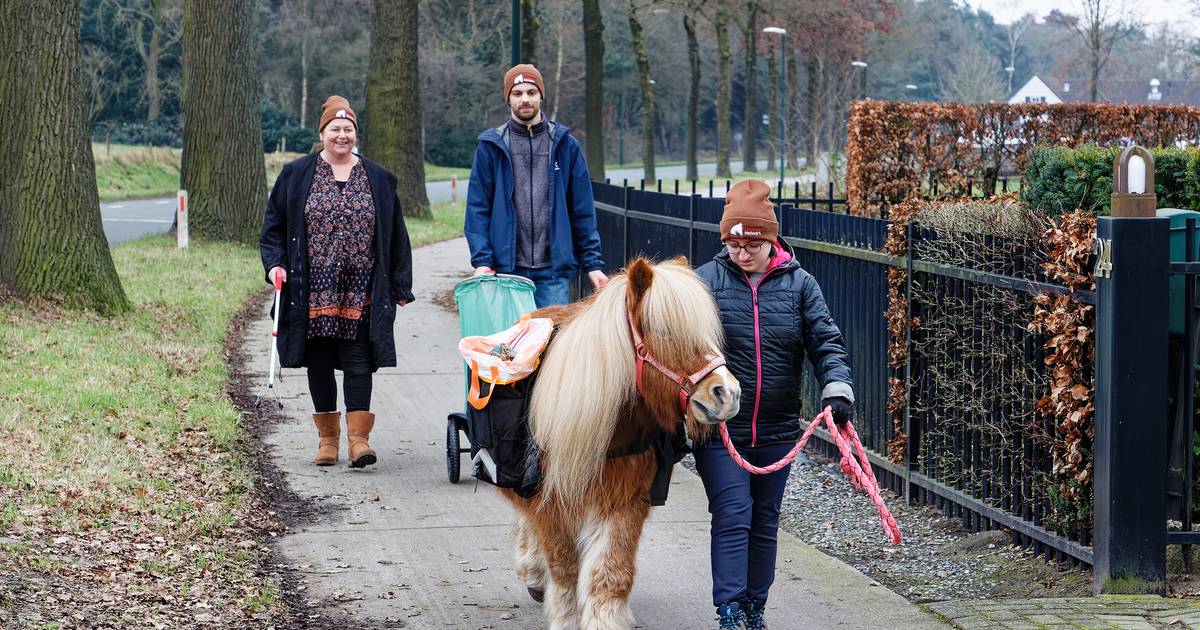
x: 769, y: 330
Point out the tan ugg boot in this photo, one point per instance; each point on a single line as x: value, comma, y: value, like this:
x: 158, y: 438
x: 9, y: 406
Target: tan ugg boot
x: 358, y: 429
x: 329, y: 427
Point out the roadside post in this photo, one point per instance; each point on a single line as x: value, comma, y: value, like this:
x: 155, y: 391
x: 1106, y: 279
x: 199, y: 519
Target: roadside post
x: 181, y: 219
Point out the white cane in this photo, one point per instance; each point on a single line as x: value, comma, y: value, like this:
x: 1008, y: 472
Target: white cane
x: 274, y: 344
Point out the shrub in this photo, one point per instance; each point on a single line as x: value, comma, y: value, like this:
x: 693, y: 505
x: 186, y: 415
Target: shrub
x: 1061, y: 179
x: 896, y: 149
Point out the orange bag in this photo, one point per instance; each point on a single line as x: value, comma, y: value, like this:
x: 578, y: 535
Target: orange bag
x: 505, y: 357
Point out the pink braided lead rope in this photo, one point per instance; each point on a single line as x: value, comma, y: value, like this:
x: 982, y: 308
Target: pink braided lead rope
x: 860, y: 474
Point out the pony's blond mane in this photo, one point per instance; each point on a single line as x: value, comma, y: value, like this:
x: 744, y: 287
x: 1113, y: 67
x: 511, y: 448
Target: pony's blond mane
x: 588, y: 377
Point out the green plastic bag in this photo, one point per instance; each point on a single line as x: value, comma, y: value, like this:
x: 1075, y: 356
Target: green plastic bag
x: 490, y: 303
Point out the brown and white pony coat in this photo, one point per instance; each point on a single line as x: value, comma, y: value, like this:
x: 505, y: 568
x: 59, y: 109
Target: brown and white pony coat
x: 576, y: 540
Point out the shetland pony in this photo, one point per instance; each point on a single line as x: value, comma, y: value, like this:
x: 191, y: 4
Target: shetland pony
x: 609, y: 378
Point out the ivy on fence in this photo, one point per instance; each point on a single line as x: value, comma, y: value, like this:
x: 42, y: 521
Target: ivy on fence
x: 898, y: 151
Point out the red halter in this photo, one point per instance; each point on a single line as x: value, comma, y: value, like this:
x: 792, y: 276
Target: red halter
x: 687, y: 384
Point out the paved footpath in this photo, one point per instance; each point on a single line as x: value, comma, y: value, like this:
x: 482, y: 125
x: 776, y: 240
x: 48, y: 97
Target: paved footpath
x: 400, y: 546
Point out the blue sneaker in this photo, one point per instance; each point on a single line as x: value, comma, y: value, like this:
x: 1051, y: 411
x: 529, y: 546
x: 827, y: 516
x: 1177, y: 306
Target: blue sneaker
x: 754, y: 615
x: 730, y: 616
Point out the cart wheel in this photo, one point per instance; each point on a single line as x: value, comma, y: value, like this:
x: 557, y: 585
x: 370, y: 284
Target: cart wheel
x: 452, y: 450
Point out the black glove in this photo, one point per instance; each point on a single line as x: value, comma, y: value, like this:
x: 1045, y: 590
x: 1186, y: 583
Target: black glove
x: 841, y: 408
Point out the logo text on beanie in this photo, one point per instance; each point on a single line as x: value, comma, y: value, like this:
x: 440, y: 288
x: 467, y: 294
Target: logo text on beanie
x: 341, y: 113
x: 520, y: 78
x: 740, y: 230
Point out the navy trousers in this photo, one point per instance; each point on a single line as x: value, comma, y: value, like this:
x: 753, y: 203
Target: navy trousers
x: 745, y: 519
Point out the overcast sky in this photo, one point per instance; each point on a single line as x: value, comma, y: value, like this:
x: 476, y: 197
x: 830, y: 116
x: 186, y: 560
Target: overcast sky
x: 1152, y: 11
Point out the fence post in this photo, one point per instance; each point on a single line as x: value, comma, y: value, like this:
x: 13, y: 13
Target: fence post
x: 1131, y: 389
x: 912, y: 425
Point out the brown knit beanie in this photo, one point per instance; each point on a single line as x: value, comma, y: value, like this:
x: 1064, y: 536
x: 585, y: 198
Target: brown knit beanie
x: 523, y: 73
x: 336, y: 107
x: 749, y: 212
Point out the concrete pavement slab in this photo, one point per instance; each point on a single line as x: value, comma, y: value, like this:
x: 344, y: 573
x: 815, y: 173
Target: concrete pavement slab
x: 398, y: 545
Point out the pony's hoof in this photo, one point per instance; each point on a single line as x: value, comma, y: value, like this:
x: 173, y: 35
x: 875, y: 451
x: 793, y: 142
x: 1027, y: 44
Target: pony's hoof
x: 537, y: 594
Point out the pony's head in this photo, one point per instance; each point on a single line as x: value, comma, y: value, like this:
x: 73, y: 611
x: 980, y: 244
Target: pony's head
x: 588, y: 379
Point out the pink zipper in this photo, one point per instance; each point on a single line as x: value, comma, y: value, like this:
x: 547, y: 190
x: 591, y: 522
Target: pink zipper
x: 757, y: 349
x: 757, y: 363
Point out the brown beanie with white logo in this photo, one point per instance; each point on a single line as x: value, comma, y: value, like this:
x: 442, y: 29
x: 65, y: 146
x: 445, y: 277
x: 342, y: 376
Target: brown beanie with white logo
x: 523, y: 73
x: 336, y: 107
x: 749, y: 212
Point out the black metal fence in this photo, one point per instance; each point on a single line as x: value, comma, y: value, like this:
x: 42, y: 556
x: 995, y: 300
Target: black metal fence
x: 988, y: 478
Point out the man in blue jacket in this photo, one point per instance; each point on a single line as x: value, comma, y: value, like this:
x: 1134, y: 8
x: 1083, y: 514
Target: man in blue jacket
x: 530, y: 210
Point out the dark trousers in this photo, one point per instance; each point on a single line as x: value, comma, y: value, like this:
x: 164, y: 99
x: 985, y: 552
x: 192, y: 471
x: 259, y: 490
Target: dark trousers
x: 353, y: 357
x: 745, y: 519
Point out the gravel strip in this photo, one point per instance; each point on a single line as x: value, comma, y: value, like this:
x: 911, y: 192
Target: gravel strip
x: 938, y: 560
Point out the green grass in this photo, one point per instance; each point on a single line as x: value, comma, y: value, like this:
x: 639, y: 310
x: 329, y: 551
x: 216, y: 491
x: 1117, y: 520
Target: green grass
x: 118, y: 429
x: 447, y: 223
x: 134, y: 172
x: 434, y: 173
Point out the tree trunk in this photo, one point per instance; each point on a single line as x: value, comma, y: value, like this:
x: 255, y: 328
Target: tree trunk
x: 724, y: 89
x: 689, y: 25
x: 814, y: 108
x: 773, y: 111
x: 749, y: 119
x: 52, y: 242
x: 529, y: 32
x: 307, y: 13
x: 222, y: 166
x: 593, y: 78
x: 558, y: 66
x: 393, y: 107
x: 791, y: 110
x: 153, y: 52
x: 643, y: 63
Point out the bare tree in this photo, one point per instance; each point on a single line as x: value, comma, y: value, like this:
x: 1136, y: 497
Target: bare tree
x: 161, y: 19
x: 1100, y: 25
x: 593, y: 51
x: 52, y: 242
x: 750, y: 82
x: 973, y: 76
x: 720, y: 22
x: 647, y: 90
x: 393, y: 121
x: 1015, y: 30
x: 689, y: 25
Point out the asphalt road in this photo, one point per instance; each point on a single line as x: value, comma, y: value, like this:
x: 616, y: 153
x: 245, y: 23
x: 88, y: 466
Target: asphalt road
x: 128, y: 220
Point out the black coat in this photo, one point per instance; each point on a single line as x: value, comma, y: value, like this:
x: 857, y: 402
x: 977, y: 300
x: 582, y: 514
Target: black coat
x: 284, y: 243
x: 793, y: 324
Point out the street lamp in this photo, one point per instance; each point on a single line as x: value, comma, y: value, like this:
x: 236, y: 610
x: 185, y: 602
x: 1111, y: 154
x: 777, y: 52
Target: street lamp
x: 782, y: 33
x: 862, y: 92
x: 909, y: 87
x: 1009, y: 70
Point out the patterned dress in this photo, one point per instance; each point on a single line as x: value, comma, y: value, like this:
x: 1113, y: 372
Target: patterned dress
x: 341, y: 253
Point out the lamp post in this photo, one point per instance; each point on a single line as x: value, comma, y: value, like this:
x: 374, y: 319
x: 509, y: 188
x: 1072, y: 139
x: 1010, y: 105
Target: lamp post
x: 782, y: 32
x: 909, y: 87
x: 1009, y: 70
x: 862, y: 91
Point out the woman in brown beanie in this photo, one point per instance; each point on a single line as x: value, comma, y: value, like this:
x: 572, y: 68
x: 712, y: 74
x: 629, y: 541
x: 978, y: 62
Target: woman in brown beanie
x: 774, y: 317
x: 335, y: 234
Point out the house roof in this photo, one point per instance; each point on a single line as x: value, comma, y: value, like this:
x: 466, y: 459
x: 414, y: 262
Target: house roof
x: 1132, y: 92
